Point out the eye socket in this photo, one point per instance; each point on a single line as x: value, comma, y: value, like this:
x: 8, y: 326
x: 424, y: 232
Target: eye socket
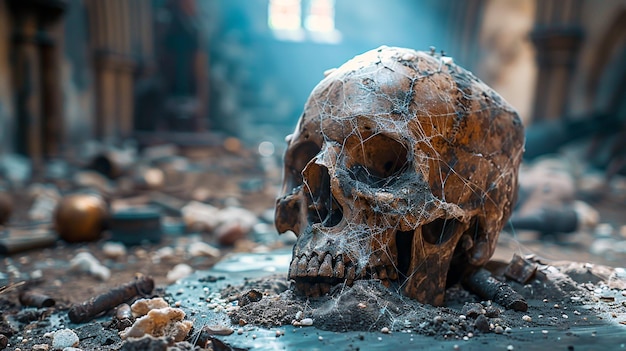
x: 300, y: 157
x: 378, y: 160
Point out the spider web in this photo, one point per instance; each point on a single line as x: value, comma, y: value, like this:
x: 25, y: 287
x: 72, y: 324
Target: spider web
x: 380, y: 169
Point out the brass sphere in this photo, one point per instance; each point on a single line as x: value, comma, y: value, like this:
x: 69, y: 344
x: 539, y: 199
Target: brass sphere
x: 6, y: 207
x: 80, y: 217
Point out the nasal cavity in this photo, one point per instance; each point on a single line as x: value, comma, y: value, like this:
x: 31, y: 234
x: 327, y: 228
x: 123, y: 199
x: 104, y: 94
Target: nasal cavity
x: 439, y: 231
x: 404, y: 247
x: 323, y: 207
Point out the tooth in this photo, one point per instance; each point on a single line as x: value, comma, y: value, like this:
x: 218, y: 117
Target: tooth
x: 302, y: 264
x: 326, y: 268
x: 313, y: 267
x: 339, y: 268
x: 293, y: 268
x: 324, y: 288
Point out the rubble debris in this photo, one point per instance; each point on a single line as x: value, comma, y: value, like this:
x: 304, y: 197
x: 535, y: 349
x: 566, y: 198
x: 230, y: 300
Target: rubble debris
x: 547, y: 202
x: 216, y: 330
x: 134, y: 225
x: 80, y: 217
x: 141, y: 307
x: 64, y: 338
x: 17, y: 241
x: 123, y: 311
x: 86, y: 262
x: 200, y: 248
x: 114, y: 250
x: 146, y: 343
x: 113, y: 162
x: 167, y: 321
x: 35, y: 299
x: 229, y: 233
x: 249, y: 297
x: 200, y: 216
x: 179, y: 271
x: 520, y: 270
x: 483, y: 284
x: 79, y: 313
x: 148, y: 178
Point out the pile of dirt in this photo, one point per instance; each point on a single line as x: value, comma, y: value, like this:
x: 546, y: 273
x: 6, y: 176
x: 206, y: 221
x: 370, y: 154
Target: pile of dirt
x: 558, y: 297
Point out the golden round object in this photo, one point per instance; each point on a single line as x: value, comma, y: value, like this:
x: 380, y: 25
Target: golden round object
x: 6, y: 207
x: 80, y: 217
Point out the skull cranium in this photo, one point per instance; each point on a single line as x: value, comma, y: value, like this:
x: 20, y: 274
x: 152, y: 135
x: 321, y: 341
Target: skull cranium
x: 402, y: 168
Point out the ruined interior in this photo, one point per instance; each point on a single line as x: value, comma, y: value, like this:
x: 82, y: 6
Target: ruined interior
x: 308, y: 174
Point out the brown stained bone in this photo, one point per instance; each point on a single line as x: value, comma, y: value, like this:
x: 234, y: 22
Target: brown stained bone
x: 520, y: 270
x: 86, y: 311
x: 35, y: 299
x: 397, y: 156
x: 483, y: 284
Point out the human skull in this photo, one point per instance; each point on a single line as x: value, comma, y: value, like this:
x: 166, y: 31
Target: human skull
x: 402, y: 168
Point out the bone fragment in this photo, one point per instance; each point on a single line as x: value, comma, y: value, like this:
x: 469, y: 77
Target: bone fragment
x: 483, y: 284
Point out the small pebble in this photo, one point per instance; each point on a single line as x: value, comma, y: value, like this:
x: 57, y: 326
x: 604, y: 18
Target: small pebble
x: 240, y: 331
x: 179, y: 271
x: 217, y: 330
x: 385, y: 330
x: 527, y: 318
x: 544, y: 332
x: 498, y: 329
x: 556, y: 305
x: 306, y: 322
x: 320, y: 338
x: 114, y: 250
x: 565, y: 316
x: 64, y: 338
x: 510, y: 348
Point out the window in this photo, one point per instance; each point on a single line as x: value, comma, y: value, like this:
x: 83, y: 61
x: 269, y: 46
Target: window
x: 285, y: 19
